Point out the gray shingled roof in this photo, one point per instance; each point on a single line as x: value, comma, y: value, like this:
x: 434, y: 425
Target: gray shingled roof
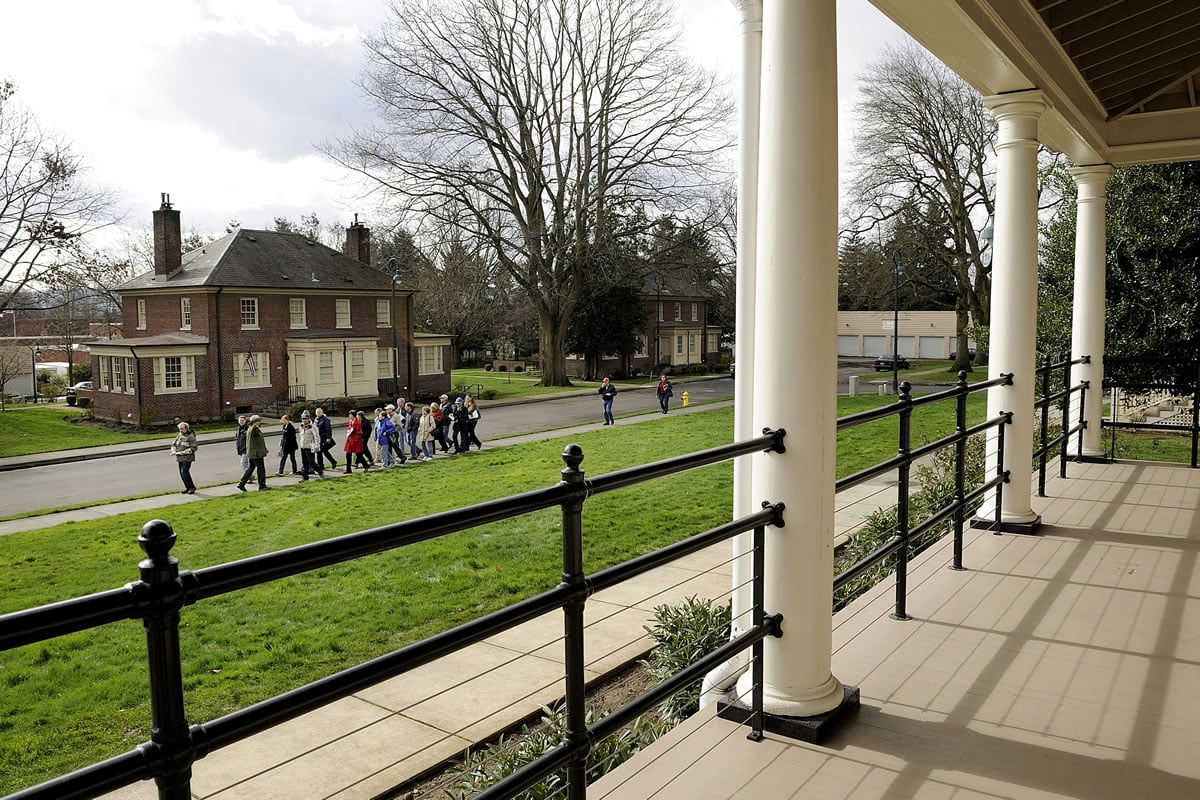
x: 265, y: 259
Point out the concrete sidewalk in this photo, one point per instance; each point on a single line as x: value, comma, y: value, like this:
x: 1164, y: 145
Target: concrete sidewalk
x: 362, y: 746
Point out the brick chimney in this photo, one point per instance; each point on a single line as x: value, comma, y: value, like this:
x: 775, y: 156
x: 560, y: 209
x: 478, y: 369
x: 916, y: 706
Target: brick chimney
x: 168, y: 241
x: 358, y: 242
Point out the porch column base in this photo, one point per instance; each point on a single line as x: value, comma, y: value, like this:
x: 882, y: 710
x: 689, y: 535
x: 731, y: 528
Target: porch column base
x: 1088, y: 458
x: 1026, y: 527
x: 813, y: 730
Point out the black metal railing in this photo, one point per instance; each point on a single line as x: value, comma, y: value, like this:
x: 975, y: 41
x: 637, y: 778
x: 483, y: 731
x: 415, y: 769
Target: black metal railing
x: 1178, y: 377
x: 906, y: 455
x: 296, y: 393
x: 164, y: 590
x: 1055, y: 391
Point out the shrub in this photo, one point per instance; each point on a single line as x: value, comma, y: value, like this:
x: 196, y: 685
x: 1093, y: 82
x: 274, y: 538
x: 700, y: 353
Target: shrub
x: 229, y: 415
x: 493, y: 763
x: 83, y: 402
x: 682, y: 634
x: 296, y: 409
x: 489, y: 394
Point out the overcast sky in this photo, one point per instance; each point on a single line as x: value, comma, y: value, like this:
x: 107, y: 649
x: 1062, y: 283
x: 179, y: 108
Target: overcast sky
x: 220, y: 102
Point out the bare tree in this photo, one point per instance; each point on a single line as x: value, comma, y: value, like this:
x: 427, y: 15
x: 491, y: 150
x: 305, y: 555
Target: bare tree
x: 536, y: 119
x: 45, y: 205
x: 925, y: 139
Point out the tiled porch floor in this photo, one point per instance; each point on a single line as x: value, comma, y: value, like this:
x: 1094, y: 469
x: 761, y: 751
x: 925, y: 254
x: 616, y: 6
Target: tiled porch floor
x: 1065, y: 665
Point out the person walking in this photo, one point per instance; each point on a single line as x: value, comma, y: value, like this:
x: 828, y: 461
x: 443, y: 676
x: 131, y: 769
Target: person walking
x: 325, y: 432
x: 367, y: 423
x: 412, y: 424
x: 256, y: 451
x: 383, y: 430
x: 607, y: 392
x: 354, y: 444
x: 242, y: 429
x: 425, y: 433
x: 439, y: 430
x: 184, y: 450
x: 664, y: 392
x: 473, y: 417
x: 310, y: 448
x: 459, y: 414
x: 288, y: 445
x: 394, y: 423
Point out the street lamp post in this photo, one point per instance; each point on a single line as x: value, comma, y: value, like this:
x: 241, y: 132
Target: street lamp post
x: 394, y: 269
x: 896, y: 324
x: 35, y: 353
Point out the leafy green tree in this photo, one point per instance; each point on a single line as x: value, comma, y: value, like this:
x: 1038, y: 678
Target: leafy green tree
x: 1153, y: 264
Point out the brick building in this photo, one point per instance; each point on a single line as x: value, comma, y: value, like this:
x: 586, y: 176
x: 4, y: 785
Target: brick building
x: 256, y: 319
x: 675, y: 334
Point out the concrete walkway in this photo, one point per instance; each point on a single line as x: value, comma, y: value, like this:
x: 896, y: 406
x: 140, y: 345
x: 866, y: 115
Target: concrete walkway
x: 360, y: 747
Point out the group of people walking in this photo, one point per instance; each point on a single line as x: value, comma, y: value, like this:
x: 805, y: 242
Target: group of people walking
x: 388, y: 437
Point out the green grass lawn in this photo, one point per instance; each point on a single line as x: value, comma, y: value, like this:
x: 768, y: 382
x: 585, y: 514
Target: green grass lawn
x: 47, y: 428
x: 80, y: 698
x: 509, y: 385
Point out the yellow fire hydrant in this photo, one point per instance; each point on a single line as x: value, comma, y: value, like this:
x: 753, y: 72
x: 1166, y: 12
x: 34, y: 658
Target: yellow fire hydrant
x: 685, y: 398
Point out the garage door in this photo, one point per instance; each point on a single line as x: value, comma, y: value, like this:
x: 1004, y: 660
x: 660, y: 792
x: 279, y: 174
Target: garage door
x: 933, y: 347
x: 875, y: 346
x: 904, y: 346
x: 847, y: 345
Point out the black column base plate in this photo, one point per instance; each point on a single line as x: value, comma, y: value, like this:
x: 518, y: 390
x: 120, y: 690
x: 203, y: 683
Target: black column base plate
x: 1026, y: 528
x: 813, y: 730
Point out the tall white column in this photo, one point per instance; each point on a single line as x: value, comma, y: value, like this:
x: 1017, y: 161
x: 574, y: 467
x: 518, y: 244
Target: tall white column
x: 747, y: 230
x: 795, y: 344
x: 1012, y: 338
x: 1087, y: 320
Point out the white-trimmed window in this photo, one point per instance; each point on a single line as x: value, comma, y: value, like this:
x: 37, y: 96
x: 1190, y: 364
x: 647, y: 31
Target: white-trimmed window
x: 174, y: 374
x: 383, y: 313
x: 679, y: 312
x: 358, y: 365
x: 695, y: 312
x: 692, y: 344
x: 251, y: 370
x: 185, y: 313
x: 104, y: 363
x: 297, y: 313
x: 643, y: 343
x: 713, y: 344
x: 660, y: 311
x: 118, y: 374
x: 383, y: 362
x: 343, y: 313
x: 130, y: 375
x: 678, y: 345
x: 430, y: 358
x: 325, y: 365
x: 249, y: 309
x: 141, y: 314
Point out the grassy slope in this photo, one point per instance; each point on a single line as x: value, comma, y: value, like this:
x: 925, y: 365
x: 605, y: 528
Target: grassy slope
x: 76, y: 699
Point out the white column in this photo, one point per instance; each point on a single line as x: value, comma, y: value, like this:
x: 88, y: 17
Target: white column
x: 1087, y: 321
x: 795, y: 344
x: 747, y: 229
x: 1012, y: 338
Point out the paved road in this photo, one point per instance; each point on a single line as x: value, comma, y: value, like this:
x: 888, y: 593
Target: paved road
x: 36, y: 488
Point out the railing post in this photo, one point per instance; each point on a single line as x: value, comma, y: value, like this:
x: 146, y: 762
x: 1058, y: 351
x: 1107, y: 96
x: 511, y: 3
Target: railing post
x: 1195, y: 409
x: 1066, y: 417
x: 573, y: 577
x: 1000, y: 472
x: 960, y: 468
x: 904, y: 469
x: 1045, y: 424
x: 760, y: 616
x: 169, y: 738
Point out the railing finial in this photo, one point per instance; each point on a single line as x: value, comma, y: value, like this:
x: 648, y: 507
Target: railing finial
x: 572, y: 456
x: 156, y: 539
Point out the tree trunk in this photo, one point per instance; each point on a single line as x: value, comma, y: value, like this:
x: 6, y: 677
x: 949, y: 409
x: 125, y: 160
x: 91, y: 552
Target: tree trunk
x: 552, y: 334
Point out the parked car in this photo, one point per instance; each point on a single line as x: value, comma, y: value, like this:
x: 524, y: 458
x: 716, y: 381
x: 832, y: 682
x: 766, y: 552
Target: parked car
x: 884, y: 363
x: 731, y: 366
x: 970, y: 355
x: 81, y: 385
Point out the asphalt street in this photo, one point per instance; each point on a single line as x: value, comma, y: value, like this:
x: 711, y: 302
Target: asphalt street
x: 104, y: 479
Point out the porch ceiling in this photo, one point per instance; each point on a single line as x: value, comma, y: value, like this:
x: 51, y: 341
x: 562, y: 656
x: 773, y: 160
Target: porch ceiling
x: 1121, y: 75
